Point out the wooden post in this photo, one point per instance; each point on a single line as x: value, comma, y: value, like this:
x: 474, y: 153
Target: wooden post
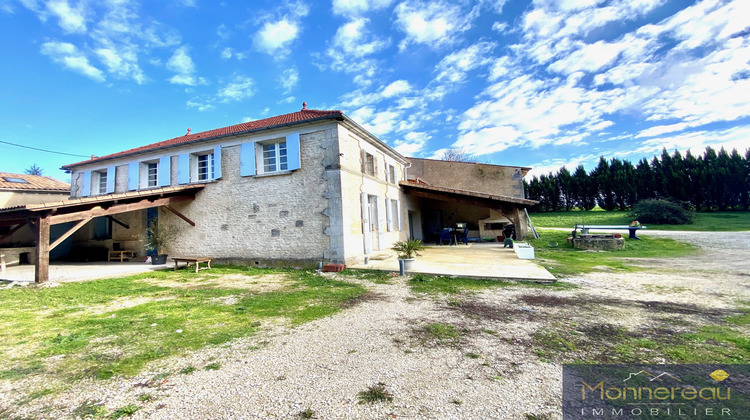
x: 516, y: 219
x: 41, y: 265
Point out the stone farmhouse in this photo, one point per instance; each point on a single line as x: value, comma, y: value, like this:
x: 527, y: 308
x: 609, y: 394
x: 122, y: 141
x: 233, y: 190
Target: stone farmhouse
x: 291, y: 190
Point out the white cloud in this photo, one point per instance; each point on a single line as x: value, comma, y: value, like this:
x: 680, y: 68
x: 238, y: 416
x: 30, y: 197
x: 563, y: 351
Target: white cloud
x: 697, y: 141
x: 397, y: 88
x: 434, y: 23
x: 71, y: 19
x: 67, y: 55
x: 274, y: 38
x: 183, y: 65
x: 280, y: 29
x: 289, y: 79
x: 353, y: 39
x: 200, y: 106
x: 358, y: 7
x: 240, y: 88
x: 350, y: 50
x: 412, y: 144
x: 590, y: 58
x: 121, y: 62
x: 226, y: 53
x: 499, y: 27
x: 661, y: 129
x: 453, y: 68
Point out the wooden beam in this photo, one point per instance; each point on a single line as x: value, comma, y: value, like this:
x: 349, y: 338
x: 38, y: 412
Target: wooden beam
x: 117, y: 209
x: 14, y: 230
x: 41, y: 262
x: 476, y: 201
x: 180, y: 215
x: 67, y: 234
x: 118, y: 222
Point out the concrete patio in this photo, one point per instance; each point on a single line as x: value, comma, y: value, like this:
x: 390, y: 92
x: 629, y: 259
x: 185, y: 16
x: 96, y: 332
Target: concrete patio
x: 485, y: 260
x: 69, y: 272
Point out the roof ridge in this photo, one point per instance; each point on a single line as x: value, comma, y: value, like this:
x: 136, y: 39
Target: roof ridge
x: 247, y: 126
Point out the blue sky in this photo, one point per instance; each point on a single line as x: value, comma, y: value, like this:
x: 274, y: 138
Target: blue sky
x: 540, y: 83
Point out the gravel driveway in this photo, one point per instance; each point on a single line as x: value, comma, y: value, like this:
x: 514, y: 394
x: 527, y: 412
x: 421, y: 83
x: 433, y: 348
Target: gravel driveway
x: 492, y: 369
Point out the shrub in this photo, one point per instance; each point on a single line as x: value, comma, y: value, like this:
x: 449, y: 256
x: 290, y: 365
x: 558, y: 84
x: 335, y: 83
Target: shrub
x: 662, y: 212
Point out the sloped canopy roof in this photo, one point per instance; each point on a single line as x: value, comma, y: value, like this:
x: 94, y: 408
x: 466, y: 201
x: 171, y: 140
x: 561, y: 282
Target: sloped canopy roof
x: 36, y: 183
x: 472, y: 197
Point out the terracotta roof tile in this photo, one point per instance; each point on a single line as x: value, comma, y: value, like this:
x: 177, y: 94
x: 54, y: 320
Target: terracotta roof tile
x: 9, y: 181
x: 279, y: 120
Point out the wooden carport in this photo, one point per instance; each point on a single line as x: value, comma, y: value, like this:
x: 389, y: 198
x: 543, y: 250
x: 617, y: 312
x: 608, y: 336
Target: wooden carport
x: 40, y: 217
x: 512, y: 206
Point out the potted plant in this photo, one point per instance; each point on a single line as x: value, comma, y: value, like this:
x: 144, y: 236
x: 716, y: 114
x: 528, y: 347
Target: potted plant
x: 408, y: 251
x: 158, y: 238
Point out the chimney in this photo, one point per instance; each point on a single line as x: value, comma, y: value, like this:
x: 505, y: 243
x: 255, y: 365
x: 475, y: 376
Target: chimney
x: 188, y: 133
x: 304, y: 106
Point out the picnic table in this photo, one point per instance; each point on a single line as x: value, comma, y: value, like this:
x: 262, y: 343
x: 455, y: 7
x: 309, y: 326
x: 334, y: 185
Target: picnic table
x: 585, y: 229
x: 193, y: 260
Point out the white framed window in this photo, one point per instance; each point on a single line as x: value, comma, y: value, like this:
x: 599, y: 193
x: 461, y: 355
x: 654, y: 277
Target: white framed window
x: 368, y: 164
x: 274, y: 157
x: 102, y: 182
x: 205, y: 166
x: 392, y: 174
x: 152, y: 174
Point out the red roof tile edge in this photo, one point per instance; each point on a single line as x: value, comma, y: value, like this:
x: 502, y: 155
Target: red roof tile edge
x: 299, y: 117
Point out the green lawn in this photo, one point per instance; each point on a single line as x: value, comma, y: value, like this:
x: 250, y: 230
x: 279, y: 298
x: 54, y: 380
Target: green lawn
x: 560, y: 258
x: 113, y: 327
x: 717, y: 221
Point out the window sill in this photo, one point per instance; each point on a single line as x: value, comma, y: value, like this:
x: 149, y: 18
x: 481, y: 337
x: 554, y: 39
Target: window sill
x: 267, y: 174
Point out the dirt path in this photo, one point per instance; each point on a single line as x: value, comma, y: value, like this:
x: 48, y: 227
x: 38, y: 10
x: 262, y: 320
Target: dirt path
x: 491, y: 354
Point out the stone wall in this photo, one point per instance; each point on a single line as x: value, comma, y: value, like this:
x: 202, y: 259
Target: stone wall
x: 261, y: 220
x: 489, y: 179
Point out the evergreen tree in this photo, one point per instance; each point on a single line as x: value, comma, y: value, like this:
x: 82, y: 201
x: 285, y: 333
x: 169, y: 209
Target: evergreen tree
x: 565, y: 184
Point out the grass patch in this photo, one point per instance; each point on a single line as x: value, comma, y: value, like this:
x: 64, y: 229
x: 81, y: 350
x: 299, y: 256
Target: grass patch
x: 374, y: 394
x: 453, y: 285
x: 90, y: 410
x: 609, y: 344
x: 441, y: 333
x: 307, y: 413
x: 565, y: 260
x: 125, y: 411
x: 188, y: 370
x: 115, y: 326
x: 727, y: 221
x: 213, y: 366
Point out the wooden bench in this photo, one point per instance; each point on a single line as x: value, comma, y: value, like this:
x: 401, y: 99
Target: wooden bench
x: 193, y: 260
x: 121, y: 255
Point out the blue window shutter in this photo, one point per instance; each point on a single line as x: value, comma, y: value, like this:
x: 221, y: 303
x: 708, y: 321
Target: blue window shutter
x: 86, y: 184
x: 133, y: 176
x: 164, y: 171
x: 110, y: 180
x: 183, y: 169
x: 247, y: 159
x: 217, y: 162
x: 292, y: 151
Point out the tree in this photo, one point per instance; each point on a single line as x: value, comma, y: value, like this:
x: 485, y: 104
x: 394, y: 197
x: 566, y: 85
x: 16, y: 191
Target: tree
x: 33, y: 170
x: 458, y: 155
x: 565, y: 183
